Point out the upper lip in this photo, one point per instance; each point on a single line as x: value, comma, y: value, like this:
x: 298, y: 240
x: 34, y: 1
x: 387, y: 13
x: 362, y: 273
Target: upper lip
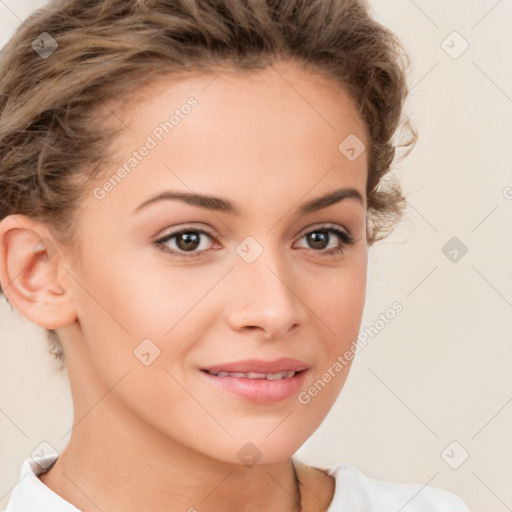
x: 259, y: 366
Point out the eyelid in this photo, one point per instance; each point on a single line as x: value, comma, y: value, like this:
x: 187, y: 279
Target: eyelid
x: 323, y: 225
x: 188, y: 227
x: 214, y: 234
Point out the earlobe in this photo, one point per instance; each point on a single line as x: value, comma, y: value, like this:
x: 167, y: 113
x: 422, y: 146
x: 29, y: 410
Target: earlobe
x: 30, y: 273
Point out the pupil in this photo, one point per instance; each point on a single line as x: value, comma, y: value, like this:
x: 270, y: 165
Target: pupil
x: 314, y: 238
x: 190, y: 243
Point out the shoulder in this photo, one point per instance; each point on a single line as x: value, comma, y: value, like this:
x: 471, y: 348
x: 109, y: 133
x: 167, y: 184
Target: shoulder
x: 356, y: 492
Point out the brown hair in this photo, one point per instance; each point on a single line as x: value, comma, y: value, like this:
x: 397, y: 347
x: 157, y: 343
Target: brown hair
x: 52, y: 141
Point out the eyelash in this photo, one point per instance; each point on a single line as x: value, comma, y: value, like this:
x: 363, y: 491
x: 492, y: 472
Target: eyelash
x: 345, y: 236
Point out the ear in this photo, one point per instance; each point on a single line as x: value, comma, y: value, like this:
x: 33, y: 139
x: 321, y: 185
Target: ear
x: 31, y: 275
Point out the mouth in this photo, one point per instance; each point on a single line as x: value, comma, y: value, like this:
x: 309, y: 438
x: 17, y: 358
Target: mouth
x: 256, y: 375
x: 259, y: 367
x: 249, y: 380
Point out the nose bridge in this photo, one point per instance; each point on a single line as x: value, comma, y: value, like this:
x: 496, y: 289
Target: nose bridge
x: 263, y: 294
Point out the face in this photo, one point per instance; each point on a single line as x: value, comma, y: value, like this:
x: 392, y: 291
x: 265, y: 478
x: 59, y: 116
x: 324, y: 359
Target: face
x: 172, y: 287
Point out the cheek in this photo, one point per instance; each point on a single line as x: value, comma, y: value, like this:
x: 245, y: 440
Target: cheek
x: 132, y: 313
x: 339, y: 305
x: 339, y: 302
x: 138, y: 297
x: 135, y: 333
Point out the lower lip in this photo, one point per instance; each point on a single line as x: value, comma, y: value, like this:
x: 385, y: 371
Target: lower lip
x: 260, y: 391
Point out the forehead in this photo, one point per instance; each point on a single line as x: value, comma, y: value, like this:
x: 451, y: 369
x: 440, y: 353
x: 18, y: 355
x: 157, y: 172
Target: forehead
x: 276, y: 128
x: 296, y: 90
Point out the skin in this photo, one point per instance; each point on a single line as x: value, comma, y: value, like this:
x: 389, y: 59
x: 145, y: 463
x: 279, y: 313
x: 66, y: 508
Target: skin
x: 267, y: 141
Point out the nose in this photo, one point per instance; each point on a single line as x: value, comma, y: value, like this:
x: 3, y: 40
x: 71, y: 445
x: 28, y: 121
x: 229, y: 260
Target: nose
x: 266, y: 296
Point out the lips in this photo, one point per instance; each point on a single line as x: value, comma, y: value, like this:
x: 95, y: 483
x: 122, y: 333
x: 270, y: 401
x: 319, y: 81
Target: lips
x: 258, y: 381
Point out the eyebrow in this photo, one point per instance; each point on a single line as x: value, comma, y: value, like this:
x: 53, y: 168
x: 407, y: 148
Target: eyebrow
x: 223, y: 205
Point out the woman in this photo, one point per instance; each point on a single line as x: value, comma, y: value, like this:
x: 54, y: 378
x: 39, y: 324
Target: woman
x: 188, y: 193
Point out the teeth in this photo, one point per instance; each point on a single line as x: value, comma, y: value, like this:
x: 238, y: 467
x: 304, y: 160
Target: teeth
x: 255, y: 375
x: 280, y: 375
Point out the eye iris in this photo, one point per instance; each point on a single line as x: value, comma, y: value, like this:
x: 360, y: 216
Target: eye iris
x: 191, y: 241
x: 315, y: 239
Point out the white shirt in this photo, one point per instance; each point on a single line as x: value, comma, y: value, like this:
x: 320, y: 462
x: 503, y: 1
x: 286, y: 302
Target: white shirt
x: 354, y: 492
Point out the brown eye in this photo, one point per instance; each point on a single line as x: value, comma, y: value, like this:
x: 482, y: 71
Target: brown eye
x: 185, y: 241
x: 319, y: 240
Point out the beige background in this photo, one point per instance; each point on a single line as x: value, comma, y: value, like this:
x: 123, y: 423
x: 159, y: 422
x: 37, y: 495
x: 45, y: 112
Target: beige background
x: 440, y: 371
